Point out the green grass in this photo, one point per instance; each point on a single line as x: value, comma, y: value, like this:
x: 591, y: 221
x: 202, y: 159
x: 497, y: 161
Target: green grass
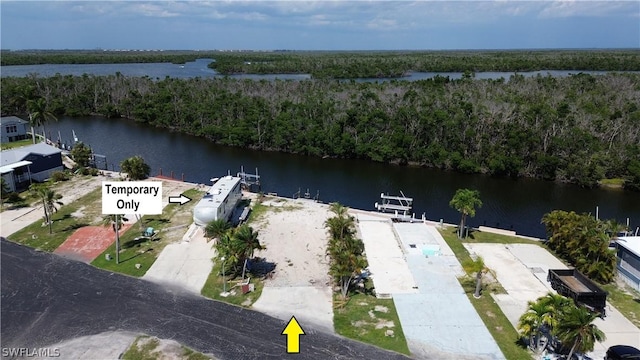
x: 64, y: 223
x: 616, y: 183
x: 214, y: 286
x: 488, y: 237
x: 258, y: 210
x: 626, y: 300
x: 136, y: 250
x: 358, y: 319
x: 15, y: 144
x: 494, y: 319
x: 145, y: 348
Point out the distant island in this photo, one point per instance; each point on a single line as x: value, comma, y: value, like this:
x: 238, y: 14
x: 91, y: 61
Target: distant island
x: 347, y: 64
x: 581, y: 129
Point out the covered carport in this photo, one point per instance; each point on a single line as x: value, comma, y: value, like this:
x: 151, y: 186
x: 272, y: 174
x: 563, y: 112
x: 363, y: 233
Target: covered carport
x: 17, y: 175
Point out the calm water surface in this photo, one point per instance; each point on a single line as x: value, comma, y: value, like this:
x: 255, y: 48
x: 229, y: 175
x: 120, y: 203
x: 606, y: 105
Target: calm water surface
x: 509, y: 204
x: 199, y: 68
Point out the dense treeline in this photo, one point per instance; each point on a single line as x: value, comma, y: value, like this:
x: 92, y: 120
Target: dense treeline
x: 577, y: 129
x: 583, y: 241
x: 345, y: 65
x: 33, y: 57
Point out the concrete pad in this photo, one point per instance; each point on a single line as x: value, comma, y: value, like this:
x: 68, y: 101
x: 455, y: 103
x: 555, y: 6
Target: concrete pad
x: 521, y: 269
x: 619, y: 331
x: 186, y: 264
x: 312, y: 306
x: 107, y: 345
x: 439, y: 322
x: 389, y: 271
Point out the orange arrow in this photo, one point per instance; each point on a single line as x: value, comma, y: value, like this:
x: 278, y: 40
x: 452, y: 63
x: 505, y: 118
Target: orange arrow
x: 293, y: 330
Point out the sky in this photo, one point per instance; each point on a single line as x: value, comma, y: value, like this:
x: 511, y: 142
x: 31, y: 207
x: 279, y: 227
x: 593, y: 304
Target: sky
x: 319, y: 25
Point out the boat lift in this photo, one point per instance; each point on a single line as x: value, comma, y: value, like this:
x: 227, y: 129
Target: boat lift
x: 400, y: 205
x: 247, y: 180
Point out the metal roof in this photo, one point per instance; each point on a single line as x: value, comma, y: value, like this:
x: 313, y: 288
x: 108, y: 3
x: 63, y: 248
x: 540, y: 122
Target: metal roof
x: 8, y: 157
x: 631, y: 243
x: 10, y: 119
x: 9, y: 168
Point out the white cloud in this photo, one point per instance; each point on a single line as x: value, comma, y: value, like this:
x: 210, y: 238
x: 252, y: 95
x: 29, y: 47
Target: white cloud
x: 563, y: 8
x: 152, y: 10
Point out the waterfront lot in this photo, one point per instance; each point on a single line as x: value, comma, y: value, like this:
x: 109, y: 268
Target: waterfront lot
x: 522, y: 270
x: 295, y: 239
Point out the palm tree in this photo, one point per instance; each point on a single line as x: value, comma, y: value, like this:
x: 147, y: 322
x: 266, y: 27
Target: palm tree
x: 344, y: 249
x: 557, y: 304
x: 347, y: 260
x: 340, y: 227
x: 576, y: 327
x: 225, y: 248
x: 238, y: 246
x: 478, y: 267
x: 136, y: 168
x: 247, y: 243
x: 116, y: 222
x: 338, y: 209
x: 465, y: 201
x: 50, y: 200
x: 39, y: 115
x: 215, y: 228
x: 538, y: 315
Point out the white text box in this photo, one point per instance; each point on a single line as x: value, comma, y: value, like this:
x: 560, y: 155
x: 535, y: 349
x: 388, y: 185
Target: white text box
x: 132, y: 197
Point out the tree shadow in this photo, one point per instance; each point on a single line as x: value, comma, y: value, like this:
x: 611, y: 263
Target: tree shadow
x: 159, y: 220
x: 74, y: 226
x: 260, y: 267
x: 64, y: 217
x: 135, y: 256
x: 137, y: 242
x: 16, y: 206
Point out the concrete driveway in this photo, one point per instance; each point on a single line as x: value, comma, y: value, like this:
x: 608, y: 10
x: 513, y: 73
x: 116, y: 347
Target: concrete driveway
x: 186, y: 264
x: 522, y: 270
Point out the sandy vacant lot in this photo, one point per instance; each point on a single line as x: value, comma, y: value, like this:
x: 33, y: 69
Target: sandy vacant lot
x: 296, y: 240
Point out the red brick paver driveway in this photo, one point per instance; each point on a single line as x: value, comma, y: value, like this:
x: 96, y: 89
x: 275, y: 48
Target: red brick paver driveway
x: 88, y: 242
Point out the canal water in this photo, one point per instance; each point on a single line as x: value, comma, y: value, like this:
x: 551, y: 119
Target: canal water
x: 199, y: 68
x: 510, y: 204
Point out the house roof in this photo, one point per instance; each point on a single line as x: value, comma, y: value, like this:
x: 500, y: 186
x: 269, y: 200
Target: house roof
x: 11, y: 119
x: 631, y: 243
x: 9, y: 168
x: 8, y: 157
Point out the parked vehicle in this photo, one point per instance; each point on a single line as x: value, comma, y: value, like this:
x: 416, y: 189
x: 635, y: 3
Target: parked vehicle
x: 622, y: 352
x: 572, y: 284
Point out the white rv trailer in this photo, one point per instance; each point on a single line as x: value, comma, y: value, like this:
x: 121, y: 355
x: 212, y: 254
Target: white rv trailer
x: 219, y: 202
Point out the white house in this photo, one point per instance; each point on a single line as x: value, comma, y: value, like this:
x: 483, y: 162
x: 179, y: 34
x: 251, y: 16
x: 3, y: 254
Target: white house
x: 12, y: 128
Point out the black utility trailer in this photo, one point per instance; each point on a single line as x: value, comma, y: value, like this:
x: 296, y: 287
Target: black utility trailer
x: 572, y: 284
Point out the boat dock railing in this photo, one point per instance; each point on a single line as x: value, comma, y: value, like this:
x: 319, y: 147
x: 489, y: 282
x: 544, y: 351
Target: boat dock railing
x: 400, y: 205
x: 248, y: 180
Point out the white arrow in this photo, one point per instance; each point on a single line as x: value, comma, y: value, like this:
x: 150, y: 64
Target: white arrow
x: 179, y: 199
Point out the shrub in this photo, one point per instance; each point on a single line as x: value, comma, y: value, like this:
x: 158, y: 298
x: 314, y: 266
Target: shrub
x: 59, y: 176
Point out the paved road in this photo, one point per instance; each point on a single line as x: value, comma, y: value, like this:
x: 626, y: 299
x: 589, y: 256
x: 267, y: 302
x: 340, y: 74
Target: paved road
x: 47, y: 299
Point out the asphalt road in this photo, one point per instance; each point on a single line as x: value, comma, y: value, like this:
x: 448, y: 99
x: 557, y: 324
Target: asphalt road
x: 47, y: 299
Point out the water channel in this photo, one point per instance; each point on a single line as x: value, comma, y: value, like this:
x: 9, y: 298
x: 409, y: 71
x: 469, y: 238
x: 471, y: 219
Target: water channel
x: 199, y: 68
x: 510, y: 204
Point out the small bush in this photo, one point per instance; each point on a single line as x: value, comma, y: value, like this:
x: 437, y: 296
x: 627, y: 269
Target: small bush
x: 13, y: 198
x: 83, y: 171
x: 59, y: 176
x: 93, y: 172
